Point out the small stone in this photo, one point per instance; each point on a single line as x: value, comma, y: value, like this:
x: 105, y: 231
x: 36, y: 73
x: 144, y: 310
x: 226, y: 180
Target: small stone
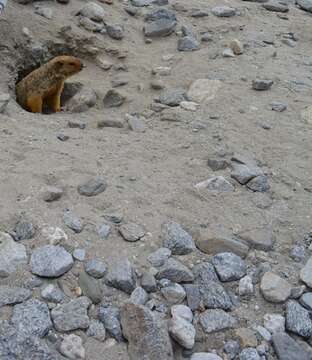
x: 52, y: 293
x: 110, y: 317
x: 11, y: 295
x: 205, y: 273
x: 276, y: 6
x: 79, y: 254
x: 188, y: 43
x: 216, y: 184
x: 259, y: 183
x: 50, y: 261
x: 175, y: 271
x: 93, y: 12
x: 261, y: 84
x: 92, y: 187
x: 297, y: 253
x: 229, y: 266
x: 246, y: 288
x: 131, y: 232
x: 96, y: 330
x: 103, y: 231
x: 228, y: 53
x: 223, y: 11
x: 44, y: 12
x: 237, y: 47
x: 173, y: 293
x: 177, y: 239
x: 62, y: 137
x: 139, y: 296
x: 305, y: 5
x: 278, y: 106
x: 160, y: 14
x: 148, y: 282
x: 182, y: 331
x: 90, y: 287
x: 72, y: 315
x: 159, y: 28
x: 82, y: 101
x: 113, y: 123
x: 214, y: 296
x: 103, y: 63
x: 91, y: 25
x: 306, y: 300
x: 306, y: 273
x: 246, y: 337
x: 157, y: 84
x: 249, y: 354
x: 51, y: 193
x: 274, y: 323
x: 243, y: 173
x: 113, y: 98
x: 205, y: 356
x: 287, y: 348
x: 259, y: 238
x: 231, y: 348
x: 33, y: 317
x: 173, y: 114
x: 115, y: 31
x: 189, y: 105
x: 135, y: 123
x: 72, y: 347
x: 95, y: 268
x: 172, y: 97
x: 182, y: 311
x: 72, y: 221
x: 198, y: 13
x: 159, y: 257
x: 274, y: 288
x: 4, y: 100
x: 193, y: 296
x: 203, y: 90
x: 24, y: 231
x: 298, y: 319
x: 216, y: 320
x: 122, y: 276
x: 217, y: 164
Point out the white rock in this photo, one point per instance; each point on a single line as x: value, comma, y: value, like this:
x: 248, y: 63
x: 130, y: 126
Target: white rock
x: 72, y: 348
x: 274, y: 288
x: 54, y: 235
x: 189, y: 105
x: 274, y: 323
x: 245, y: 287
x: 205, y: 356
x: 182, y: 331
x: 203, y: 90
x: 182, y: 311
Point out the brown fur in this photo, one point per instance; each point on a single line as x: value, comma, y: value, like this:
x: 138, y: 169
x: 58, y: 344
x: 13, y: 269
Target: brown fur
x: 45, y: 84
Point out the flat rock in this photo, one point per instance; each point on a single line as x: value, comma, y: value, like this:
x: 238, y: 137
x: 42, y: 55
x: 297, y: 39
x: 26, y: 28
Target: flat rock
x: 188, y: 43
x: 93, y: 11
x: 182, y: 331
x: 278, y: 106
x: 216, y: 320
x: 12, y: 255
x: 95, y: 268
x: 50, y: 261
x: 203, y: 90
x: 287, y: 348
x: 229, y: 266
x: 11, y: 295
x: 223, y: 11
x: 205, y: 356
x: 259, y: 183
x: 259, y: 238
x: 306, y: 273
x: 159, y: 28
x: 112, y: 123
x: 110, y: 317
x: 298, y: 319
x: 177, y: 239
x: 175, y: 271
x: 33, y: 317
x: 305, y: 5
x: 274, y: 288
x: 159, y: 257
x: 131, y: 232
x: 92, y: 187
x: 90, y: 287
x: 262, y: 84
x: 122, y: 276
x: 276, y: 6
x: 146, y: 334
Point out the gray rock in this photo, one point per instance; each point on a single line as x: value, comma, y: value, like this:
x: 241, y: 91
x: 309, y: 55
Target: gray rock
x: 160, y: 14
x: 51, y: 193
x: 261, y: 84
x: 110, y: 317
x: 183, y: 312
x: 72, y: 347
x: 132, y: 232
x: 50, y: 261
x: 249, y: 354
x: 263, y: 332
x: 223, y: 11
x: 72, y: 221
x: 216, y: 184
x: 216, y: 320
x: 274, y: 288
x: 214, y: 296
x: 276, y: 6
x: 243, y: 173
x: 231, y: 348
x: 76, y: 124
x: 205, y: 273
x: 92, y: 187
x: 298, y: 319
x: 103, y: 231
x: 33, y: 317
x: 93, y: 12
x: 91, y: 25
x: 122, y: 276
x: 159, y: 257
x: 229, y: 266
x: 72, y: 315
x: 278, y: 106
x: 245, y: 287
x: 12, y: 255
x: 115, y: 31
x: 148, y: 282
x: 217, y: 164
x: 113, y: 98
x: 90, y: 287
x: 172, y: 97
x: 306, y: 273
x: 79, y: 254
x: 205, y: 356
x: 306, y: 300
x: 177, y: 239
x: 4, y: 100
x: 175, y: 271
x: 173, y: 293
x: 305, y: 5
x: 113, y: 123
x: 10, y: 295
x: 259, y: 238
x: 141, y: 3
x: 139, y: 296
x: 159, y: 28
x: 193, y: 296
x: 228, y: 53
x: 136, y: 123
x: 297, y: 253
x: 82, y: 101
x: 182, y: 331
x: 198, y: 13
x: 96, y: 330
x: 146, y: 334
x: 188, y: 43
x: 52, y: 293
x: 24, y: 231
x: 259, y: 183
x: 274, y: 323
x: 287, y: 348
x: 95, y: 268
x: 44, y: 12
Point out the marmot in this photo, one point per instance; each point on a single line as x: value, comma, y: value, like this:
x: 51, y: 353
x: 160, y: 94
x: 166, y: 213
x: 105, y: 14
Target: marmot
x: 45, y: 84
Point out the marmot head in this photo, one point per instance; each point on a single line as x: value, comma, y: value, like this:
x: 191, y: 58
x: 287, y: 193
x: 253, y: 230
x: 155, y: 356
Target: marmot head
x: 67, y: 65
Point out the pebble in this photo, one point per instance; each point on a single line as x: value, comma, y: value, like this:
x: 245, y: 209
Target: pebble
x: 278, y: 106
x: 306, y: 273
x: 90, y: 287
x: 92, y: 187
x: 93, y: 12
x: 173, y: 114
x: 189, y: 105
x: 229, y: 266
x: 11, y: 295
x: 177, y: 239
x: 276, y: 6
x: 159, y: 28
x: 82, y: 101
x: 205, y: 273
x: 261, y: 84
x: 182, y: 331
x: 188, y: 43
x: 91, y: 25
x: 103, y: 231
x: 249, y: 354
x: 50, y: 261
x: 243, y: 173
x: 198, y: 13
x: 139, y: 296
x: 72, y: 221
x: 274, y: 288
x: 158, y: 84
x: 72, y: 347
x: 305, y: 5
x: 110, y: 317
x: 287, y: 348
x: 135, y: 123
x: 306, y: 300
x: 132, y: 232
x: 205, y: 356
x: 175, y: 271
x: 214, y: 296
x: 259, y: 183
x: 173, y: 293
x: 193, y: 296
x: 159, y: 257
x: 52, y: 293
x: 236, y: 46
x: 216, y: 184
x: 160, y: 14
x: 217, y: 164
x: 172, y: 97
x: 95, y: 268
x: 72, y: 315
x: 203, y: 90
x: 228, y: 53
x: 51, y: 193
x: 12, y: 255
x: 54, y: 235
x: 216, y: 320
x: 231, y: 348
x: 122, y: 276
x: 245, y: 287
x: 182, y: 311
x: 113, y: 123
x: 297, y: 253
x: 79, y: 254
x: 298, y: 319
x: 115, y: 31
x: 264, y: 333
x: 148, y: 282
x: 24, y: 231
x: 96, y: 330
x: 274, y: 323
x: 113, y: 98
x: 223, y: 11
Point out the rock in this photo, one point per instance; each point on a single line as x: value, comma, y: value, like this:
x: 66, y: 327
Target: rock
x: 287, y: 348
x: 274, y: 323
x: 205, y: 273
x: 103, y: 231
x: 79, y: 254
x: 115, y: 31
x: 264, y: 333
x: 90, y: 287
x: 72, y: 347
x: 24, y: 231
x: 122, y: 276
x: 52, y: 293
x: 198, y: 13
x: 50, y: 261
x: 72, y: 221
x: 93, y: 12
x: 92, y: 187
x: 72, y: 315
x: 214, y: 296
x: 231, y: 348
x: 237, y: 47
x: 182, y: 331
x: 76, y: 124
x: 159, y: 257
x: 173, y: 114
x: 259, y: 238
x: 54, y: 235
x: 246, y: 337
x: 276, y: 6
x: 135, y: 123
x: 51, y: 193
x: 216, y: 320
x: 33, y: 317
x: 95, y: 268
x: 157, y: 84
x: 249, y: 354
x: 245, y: 287
x: 297, y: 253
x: 96, y: 330
x: 278, y: 106
x: 193, y: 296
x: 203, y: 90
x: 146, y: 334
x: 305, y: 5
x: 261, y: 84
x: 91, y: 25
x: 306, y: 115
x: 12, y: 255
x: 11, y: 295
x: 131, y: 232
x: 177, y: 239
x: 159, y: 28
x: 173, y: 293
x: 216, y: 184
x: 175, y: 271
x: 189, y: 105
x: 110, y: 317
x: 306, y: 300
x: 205, y: 356
x: 228, y: 53
x: 113, y: 98
x: 62, y: 137
x: 82, y: 101
x: 44, y: 12
x: 223, y: 11
x: 229, y: 266
x: 306, y: 273
x: 298, y: 319
x: 139, y: 296
x: 243, y: 173
x: 274, y: 288
x: 259, y: 183
x: 183, y: 312
x: 172, y: 97
x: 113, y: 123
x: 4, y: 100
x: 188, y: 43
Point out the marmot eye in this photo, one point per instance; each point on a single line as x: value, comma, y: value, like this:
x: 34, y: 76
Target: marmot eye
x: 72, y: 63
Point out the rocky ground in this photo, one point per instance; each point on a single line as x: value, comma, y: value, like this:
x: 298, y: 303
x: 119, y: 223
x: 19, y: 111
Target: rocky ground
x: 165, y: 213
